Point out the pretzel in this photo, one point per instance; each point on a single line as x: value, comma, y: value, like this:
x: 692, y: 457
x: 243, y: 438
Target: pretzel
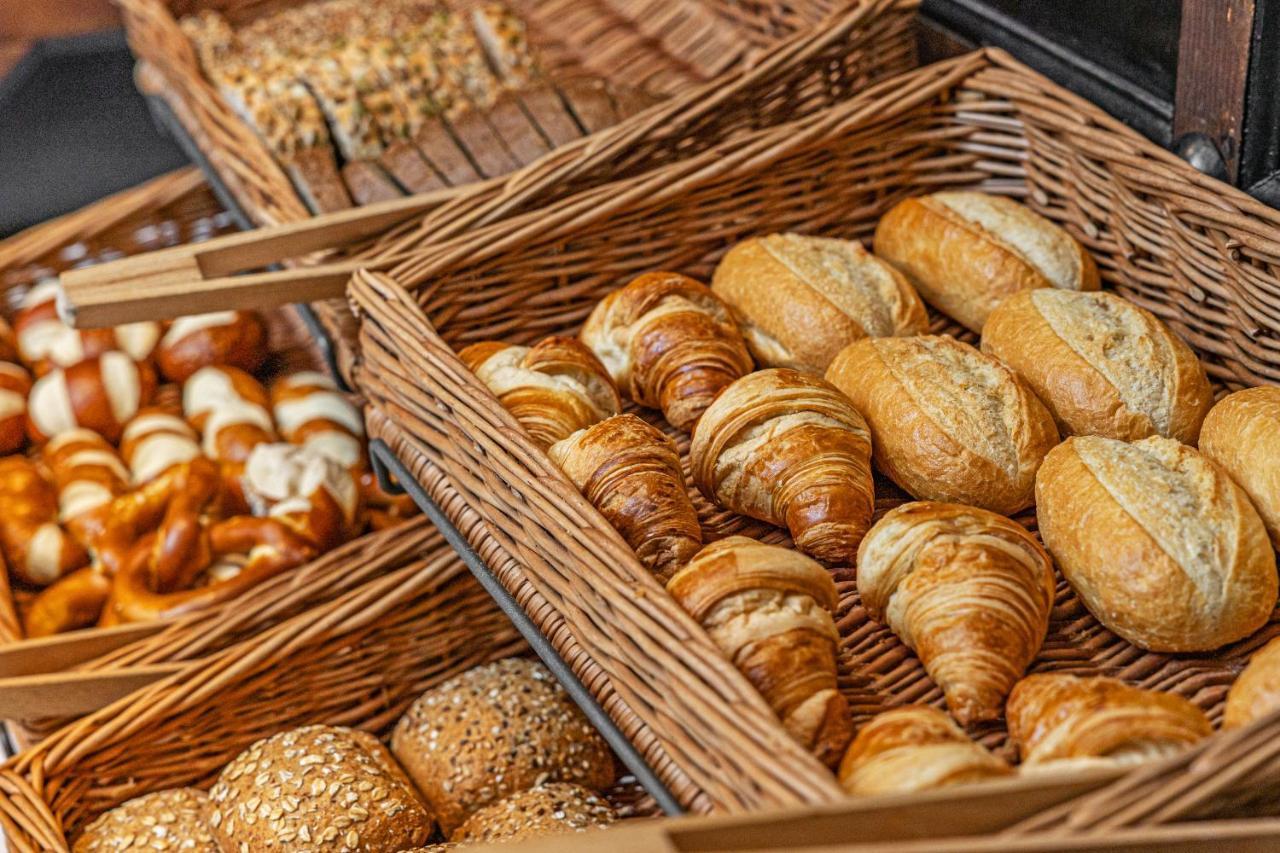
x: 154, y: 441
x: 44, y: 342
x: 36, y: 547
x: 8, y: 342
x: 229, y: 408
x: 15, y: 385
x: 234, y: 338
x: 306, y: 490
x: 87, y: 471
x: 101, y: 394
x: 75, y: 601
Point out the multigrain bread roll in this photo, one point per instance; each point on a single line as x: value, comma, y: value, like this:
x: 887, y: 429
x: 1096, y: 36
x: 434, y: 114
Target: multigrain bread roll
x: 175, y: 819
x: 968, y: 590
x: 799, y: 300
x: 493, y: 731
x: 1256, y: 691
x: 317, y: 788
x: 965, y: 252
x: 1157, y: 541
x: 1102, y: 365
x: 547, y: 809
x: 915, y: 748
x: 947, y: 422
x: 788, y: 448
x: 1054, y: 718
x: 1242, y: 434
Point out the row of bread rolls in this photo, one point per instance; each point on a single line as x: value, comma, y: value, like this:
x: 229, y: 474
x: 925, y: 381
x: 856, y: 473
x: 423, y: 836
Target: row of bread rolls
x: 498, y: 753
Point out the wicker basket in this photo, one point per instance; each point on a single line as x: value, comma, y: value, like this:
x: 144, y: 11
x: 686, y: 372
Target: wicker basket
x: 1194, y: 251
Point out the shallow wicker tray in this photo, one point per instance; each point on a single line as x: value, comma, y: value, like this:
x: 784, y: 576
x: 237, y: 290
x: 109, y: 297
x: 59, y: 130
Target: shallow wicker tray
x: 1194, y: 251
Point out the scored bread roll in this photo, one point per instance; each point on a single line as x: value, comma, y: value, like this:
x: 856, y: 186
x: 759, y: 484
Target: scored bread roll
x: 947, y: 422
x: 965, y: 252
x: 967, y: 590
x: 86, y: 471
x: 233, y: 338
x: 154, y: 441
x: 630, y: 471
x: 1256, y: 691
x: 495, y: 730
x: 1054, y: 718
x: 1102, y: 365
x: 799, y: 300
x: 101, y: 394
x: 15, y: 385
x: 36, y: 548
x: 1242, y: 434
x: 915, y: 748
x: 1159, y: 543
x: 788, y: 448
x: 547, y: 809
x: 174, y: 819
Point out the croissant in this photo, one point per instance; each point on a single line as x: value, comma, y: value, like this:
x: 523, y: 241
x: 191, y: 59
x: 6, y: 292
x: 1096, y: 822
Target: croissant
x: 1256, y: 691
x: 915, y: 748
x: 788, y: 448
x: 968, y: 590
x: 631, y: 472
x: 554, y: 388
x: 769, y: 609
x: 669, y: 343
x: 1062, y: 717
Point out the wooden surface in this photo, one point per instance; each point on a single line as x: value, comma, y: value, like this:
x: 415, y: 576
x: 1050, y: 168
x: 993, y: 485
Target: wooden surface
x: 1213, y: 69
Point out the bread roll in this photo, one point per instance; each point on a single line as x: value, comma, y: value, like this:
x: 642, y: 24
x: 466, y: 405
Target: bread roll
x: 1101, y: 364
x: 1256, y: 691
x: 965, y: 252
x: 1242, y: 434
x: 547, y: 809
x: 165, y: 820
x: 232, y: 338
x: 493, y: 731
x: 317, y: 788
x: 788, y: 448
x: 15, y: 385
x: 1157, y: 541
x: 101, y: 394
x: 967, y: 590
x: 799, y: 300
x: 1054, y: 718
x: 947, y: 422
x: 915, y: 748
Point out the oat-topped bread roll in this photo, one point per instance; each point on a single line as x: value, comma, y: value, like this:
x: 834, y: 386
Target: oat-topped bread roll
x: 947, y: 422
x: 317, y: 788
x: 915, y: 748
x: 1242, y: 434
x: 769, y: 609
x: 968, y: 590
x: 554, y: 388
x: 1157, y: 541
x: 631, y: 472
x: 1256, y: 691
x: 788, y: 448
x: 1055, y: 717
x: 1101, y: 364
x: 967, y: 251
x: 175, y: 819
x: 547, y: 809
x: 799, y: 300
x: 669, y: 343
x: 495, y: 730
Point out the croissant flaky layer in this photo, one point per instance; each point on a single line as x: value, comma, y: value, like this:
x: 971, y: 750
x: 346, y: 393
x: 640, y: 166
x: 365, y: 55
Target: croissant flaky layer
x: 968, y: 590
x: 788, y: 448
x: 630, y: 471
x: 769, y: 609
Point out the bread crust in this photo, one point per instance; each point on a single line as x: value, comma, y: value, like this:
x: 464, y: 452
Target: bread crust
x: 1256, y: 692
x: 1242, y: 434
x: 547, y: 809
x: 173, y: 819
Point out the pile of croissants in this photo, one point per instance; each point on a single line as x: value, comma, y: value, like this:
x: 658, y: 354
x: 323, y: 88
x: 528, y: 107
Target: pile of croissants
x: 1077, y: 401
x: 149, y: 473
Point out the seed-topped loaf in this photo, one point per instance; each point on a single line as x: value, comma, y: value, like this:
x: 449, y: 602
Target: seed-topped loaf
x: 174, y: 819
x: 544, y: 810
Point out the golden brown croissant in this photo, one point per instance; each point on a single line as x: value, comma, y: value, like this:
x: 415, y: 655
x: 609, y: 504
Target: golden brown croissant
x: 631, y: 472
x: 553, y: 388
x: 915, y: 748
x: 1063, y: 717
x: 968, y: 590
x: 1256, y: 691
x: 788, y: 448
x: 769, y: 609
x: 669, y: 343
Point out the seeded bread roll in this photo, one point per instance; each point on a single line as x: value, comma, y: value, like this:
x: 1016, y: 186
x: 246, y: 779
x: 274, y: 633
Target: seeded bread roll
x: 1256, y: 691
x: 548, y: 809
x: 1101, y: 364
x: 495, y: 730
x: 947, y: 422
x: 164, y: 820
x: 317, y: 788
x: 1157, y: 541
x: 799, y: 300
x: 1242, y: 434
x: 965, y: 252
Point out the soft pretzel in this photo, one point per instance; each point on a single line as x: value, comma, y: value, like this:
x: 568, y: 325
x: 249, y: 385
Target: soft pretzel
x: 15, y: 385
x: 310, y: 493
x: 311, y: 411
x: 45, y: 342
x: 36, y: 547
x: 233, y: 338
x: 156, y: 440
x: 229, y: 408
x: 86, y: 470
x: 75, y: 601
x: 101, y: 393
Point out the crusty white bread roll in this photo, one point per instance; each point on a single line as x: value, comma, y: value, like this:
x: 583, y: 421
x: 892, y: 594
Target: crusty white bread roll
x: 1242, y: 434
x: 965, y: 252
x: 1256, y: 691
x: 1101, y: 364
x: 947, y: 422
x: 799, y: 300
x: 1159, y: 543
x: 173, y: 819
x: 547, y: 809
x: 15, y: 385
x: 101, y: 394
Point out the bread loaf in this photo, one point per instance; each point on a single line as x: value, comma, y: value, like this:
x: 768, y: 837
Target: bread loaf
x: 165, y: 820
x: 947, y: 422
x: 1256, y: 691
x: 547, y: 809
x: 1242, y: 434
x: 1159, y: 543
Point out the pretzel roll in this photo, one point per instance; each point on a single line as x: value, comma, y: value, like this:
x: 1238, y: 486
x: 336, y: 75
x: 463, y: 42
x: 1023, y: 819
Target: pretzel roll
x: 234, y: 338
x: 8, y: 342
x: 68, y: 604
x: 229, y: 408
x: 45, y: 342
x: 310, y: 411
x: 156, y: 440
x: 36, y: 547
x: 305, y: 489
x: 669, y: 343
x: 86, y: 471
x: 101, y: 394
x: 15, y: 385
